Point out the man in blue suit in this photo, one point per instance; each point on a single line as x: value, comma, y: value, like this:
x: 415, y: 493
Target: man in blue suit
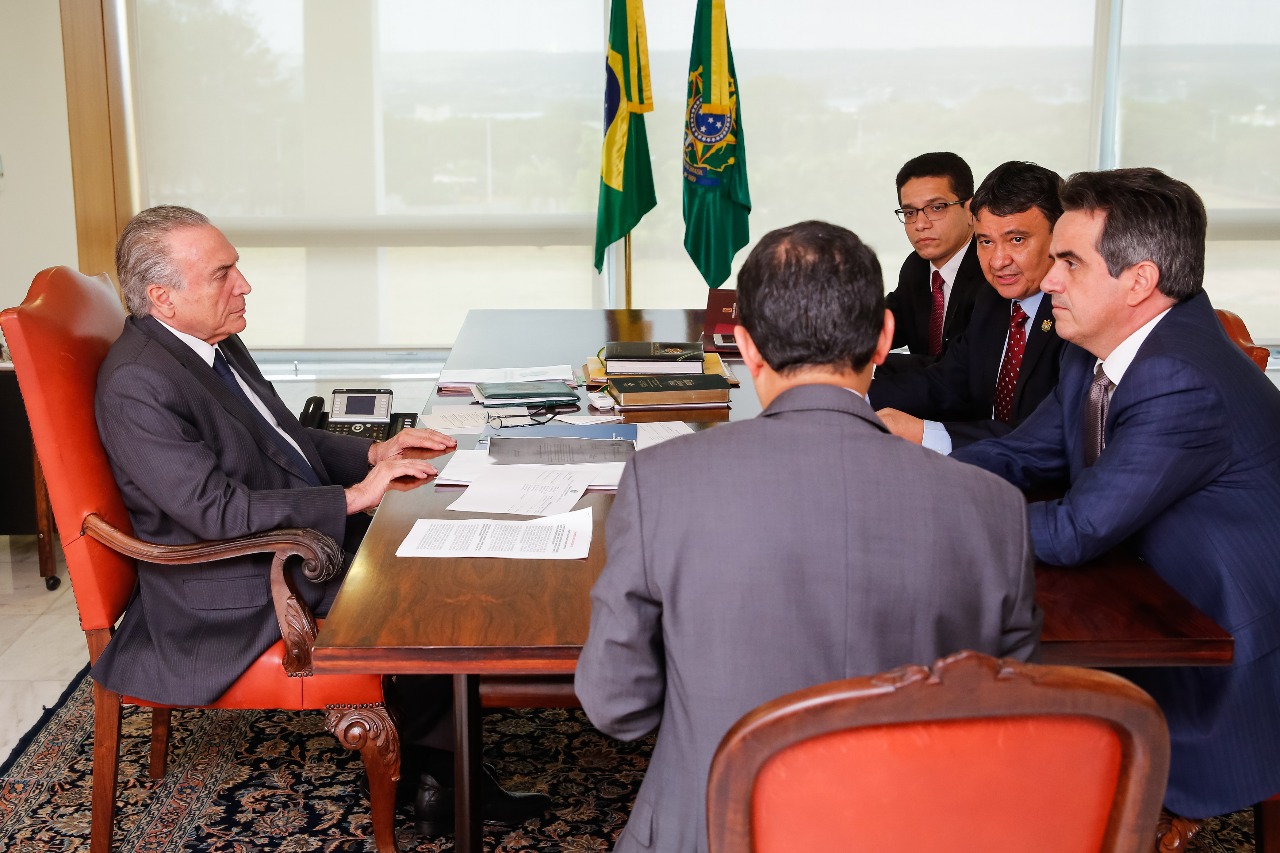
x: 1168, y: 435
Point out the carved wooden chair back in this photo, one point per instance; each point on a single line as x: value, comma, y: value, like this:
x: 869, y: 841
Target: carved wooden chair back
x: 975, y: 754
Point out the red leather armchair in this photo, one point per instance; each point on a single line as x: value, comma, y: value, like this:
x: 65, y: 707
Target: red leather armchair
x: 973, y: 754
x: 59, y: 337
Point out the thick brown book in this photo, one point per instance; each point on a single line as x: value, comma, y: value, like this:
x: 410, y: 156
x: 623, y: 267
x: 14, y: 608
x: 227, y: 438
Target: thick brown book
x: 699, y: 389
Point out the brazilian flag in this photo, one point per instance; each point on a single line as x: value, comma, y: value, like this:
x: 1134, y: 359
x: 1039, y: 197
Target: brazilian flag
x: 716, y: 197
x: 626, y: 175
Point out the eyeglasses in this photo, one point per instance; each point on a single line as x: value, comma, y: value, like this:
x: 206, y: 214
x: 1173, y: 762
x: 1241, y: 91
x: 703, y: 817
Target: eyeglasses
x: 932, y: 212
x: 537, y: 416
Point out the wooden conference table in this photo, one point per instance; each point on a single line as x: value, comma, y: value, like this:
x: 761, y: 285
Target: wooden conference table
x: 474, y: 617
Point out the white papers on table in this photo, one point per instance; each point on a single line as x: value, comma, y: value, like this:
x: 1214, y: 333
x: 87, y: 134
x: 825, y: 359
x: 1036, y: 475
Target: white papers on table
x: 465, y: 465
x: 659, y: 431
x: 461, y: 420
x: 524, y: 490
x: 470, y: 419
x: 556, y: 537
x: 454, y: 380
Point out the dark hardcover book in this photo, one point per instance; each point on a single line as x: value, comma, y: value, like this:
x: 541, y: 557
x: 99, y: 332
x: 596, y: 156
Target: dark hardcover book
x: 521, y: 390
x: 669, y: 390
x: 653, y: 357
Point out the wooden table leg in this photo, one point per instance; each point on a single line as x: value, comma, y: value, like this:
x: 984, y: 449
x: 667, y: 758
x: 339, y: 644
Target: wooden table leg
x: 44, y: 527
x: 468, y: 835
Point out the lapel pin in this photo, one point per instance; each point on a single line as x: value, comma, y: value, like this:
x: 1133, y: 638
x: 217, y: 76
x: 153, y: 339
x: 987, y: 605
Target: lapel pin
x: 1046, y: 325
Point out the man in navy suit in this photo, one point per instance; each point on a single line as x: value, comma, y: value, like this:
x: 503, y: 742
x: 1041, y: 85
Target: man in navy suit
x: 1006, y: 361
x: 1167, y: 433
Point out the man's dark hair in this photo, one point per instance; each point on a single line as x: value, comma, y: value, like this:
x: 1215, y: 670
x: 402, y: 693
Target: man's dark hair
x: 1149, y: 217
x: 938, y: 164
x: 812, y: 294
x: 1018, y: 186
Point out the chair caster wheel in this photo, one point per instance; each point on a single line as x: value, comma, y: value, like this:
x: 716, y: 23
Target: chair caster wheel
x: 52, y: 583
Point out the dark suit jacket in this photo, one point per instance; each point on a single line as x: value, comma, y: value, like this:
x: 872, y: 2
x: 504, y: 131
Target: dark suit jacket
x: 1189, y: 477
x: 912, y: 302
x: 960, y: 388
x: 728, y: 584
x: 193, y: 464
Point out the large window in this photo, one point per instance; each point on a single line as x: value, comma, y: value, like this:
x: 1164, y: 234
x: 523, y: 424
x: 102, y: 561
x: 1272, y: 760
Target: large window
x: 385, y: 165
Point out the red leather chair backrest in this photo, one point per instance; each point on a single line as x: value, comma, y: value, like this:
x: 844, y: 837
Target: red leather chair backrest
x: 975, y: 755
x: 59, y: 337
x: 1239, y: 334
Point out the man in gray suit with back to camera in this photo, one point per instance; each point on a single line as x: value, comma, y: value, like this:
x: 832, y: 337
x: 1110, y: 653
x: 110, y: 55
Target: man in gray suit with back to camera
x: 768, y: 555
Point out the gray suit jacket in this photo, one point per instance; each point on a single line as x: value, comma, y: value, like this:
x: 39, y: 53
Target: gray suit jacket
x: 764, y: 556
x: 193, y: 464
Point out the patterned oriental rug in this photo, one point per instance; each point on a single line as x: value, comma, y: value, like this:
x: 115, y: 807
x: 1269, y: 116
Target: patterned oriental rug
x: 248, y: 781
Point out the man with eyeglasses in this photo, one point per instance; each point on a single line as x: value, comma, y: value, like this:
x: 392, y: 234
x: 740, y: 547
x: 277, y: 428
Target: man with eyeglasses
x: 940, y: 279
x: 994, y: 374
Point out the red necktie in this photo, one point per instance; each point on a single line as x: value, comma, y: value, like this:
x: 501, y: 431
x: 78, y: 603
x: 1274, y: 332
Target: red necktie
x: 1011, y: 364
x: 937, y: 314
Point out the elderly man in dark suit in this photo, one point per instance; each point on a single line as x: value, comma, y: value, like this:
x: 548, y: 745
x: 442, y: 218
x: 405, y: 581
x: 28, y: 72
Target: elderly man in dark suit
x: 767, y: 555
x: 1167, y: 432
x: 1006, y: 361
x: 203, y: 448
x: 938, y: 281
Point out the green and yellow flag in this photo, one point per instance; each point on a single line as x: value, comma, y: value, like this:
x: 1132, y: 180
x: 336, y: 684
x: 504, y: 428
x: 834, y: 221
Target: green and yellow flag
x: 716, y: 198
x: 626, y: 175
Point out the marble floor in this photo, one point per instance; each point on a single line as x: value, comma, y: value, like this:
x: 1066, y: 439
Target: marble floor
x: 41, y: 644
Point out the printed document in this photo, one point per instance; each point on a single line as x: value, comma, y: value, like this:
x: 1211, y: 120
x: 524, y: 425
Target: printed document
x: 523, y: 490
x: 556, y: 537
x: 465, y: 465
x: 455, y: 378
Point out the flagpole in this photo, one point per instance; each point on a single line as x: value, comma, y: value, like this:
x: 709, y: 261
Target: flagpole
x: 626, y: 251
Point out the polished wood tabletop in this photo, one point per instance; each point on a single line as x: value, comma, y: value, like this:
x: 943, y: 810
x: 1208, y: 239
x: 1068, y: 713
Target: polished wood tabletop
x: 481, y: 615
x: 484, y: 616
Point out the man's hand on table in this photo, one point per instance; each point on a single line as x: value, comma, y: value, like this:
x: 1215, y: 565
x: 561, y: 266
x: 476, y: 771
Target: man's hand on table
x: 397, y: 465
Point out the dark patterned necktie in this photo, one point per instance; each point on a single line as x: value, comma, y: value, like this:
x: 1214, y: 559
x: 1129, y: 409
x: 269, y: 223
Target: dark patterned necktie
x: 228, y: 378
x: 1011, y: 364
x: 1094, y: 420
x: 937, y: 314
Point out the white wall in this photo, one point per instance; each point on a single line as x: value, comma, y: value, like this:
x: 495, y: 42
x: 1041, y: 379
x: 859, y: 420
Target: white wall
x: 37, y: 212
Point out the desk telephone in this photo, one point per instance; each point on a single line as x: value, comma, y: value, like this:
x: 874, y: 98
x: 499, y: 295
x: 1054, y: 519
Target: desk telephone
x: 365, y: 412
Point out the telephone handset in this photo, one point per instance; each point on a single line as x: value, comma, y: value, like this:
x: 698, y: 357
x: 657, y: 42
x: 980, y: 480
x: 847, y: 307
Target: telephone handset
x: 365, y: 412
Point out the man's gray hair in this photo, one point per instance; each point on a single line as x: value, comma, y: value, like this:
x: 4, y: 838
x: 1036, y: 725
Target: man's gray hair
x: 142, y: 253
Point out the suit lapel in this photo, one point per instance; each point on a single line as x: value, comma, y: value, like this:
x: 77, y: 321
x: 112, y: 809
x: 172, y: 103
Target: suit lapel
x: 990, y: 344
x: 233, y: 406
x: 1038, y: 339
x: 960, y: 286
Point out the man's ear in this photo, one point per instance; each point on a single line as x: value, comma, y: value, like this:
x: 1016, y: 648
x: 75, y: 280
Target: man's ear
x: 1144, y: 283
x: 748, y: 350
x: 161, y: 301
x: 885, y: 343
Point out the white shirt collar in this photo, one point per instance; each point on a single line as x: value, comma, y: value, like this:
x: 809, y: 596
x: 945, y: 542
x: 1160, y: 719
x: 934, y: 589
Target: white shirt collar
x: 1031, y: 304
x: 1122, y: 356
x: 202, y: 348
x: 951, y: 267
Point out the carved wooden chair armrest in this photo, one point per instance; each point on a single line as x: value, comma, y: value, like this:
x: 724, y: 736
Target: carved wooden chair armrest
x: 321, y: 561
